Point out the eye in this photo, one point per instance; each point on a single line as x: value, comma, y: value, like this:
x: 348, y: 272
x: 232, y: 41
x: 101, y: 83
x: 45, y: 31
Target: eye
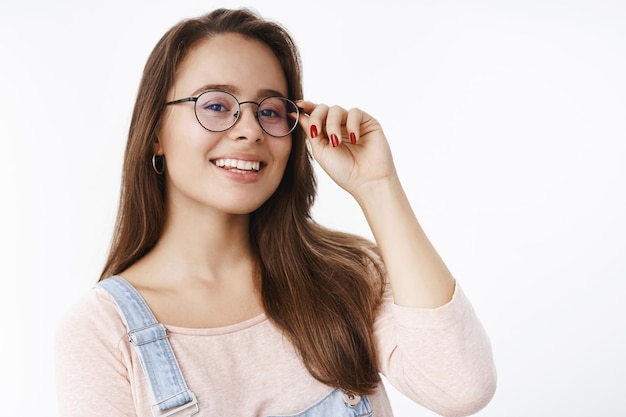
x: 272, y: 108
x: 269, y: 113
x: 214, y: 106
x: 216, y: 103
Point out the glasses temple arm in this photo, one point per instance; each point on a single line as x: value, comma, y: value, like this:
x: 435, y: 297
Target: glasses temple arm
x: 182, y: 100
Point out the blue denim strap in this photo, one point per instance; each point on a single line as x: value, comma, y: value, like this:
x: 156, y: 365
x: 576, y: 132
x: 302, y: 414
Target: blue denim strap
x: 149, y: 338
x: 337, y: 404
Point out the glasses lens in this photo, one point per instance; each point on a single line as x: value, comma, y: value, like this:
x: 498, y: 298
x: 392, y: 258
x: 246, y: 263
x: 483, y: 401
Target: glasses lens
x: 217, y: 110
x: 278, y: 116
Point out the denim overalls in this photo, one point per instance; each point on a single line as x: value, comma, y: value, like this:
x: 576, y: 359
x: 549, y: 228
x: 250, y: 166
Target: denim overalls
x: 171, y: 394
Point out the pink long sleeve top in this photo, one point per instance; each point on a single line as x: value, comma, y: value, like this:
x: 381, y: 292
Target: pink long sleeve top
x: 441, y: 358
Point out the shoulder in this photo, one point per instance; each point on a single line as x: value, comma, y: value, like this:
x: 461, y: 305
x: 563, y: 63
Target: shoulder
x: 92, y: 316
x: 93, y: 358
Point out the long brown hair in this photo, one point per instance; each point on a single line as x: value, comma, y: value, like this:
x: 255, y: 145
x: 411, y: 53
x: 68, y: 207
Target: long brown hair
x: 321, y: 287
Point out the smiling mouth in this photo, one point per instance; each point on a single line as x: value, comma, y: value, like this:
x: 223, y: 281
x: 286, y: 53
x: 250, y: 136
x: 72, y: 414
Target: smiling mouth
x: 238, y: 165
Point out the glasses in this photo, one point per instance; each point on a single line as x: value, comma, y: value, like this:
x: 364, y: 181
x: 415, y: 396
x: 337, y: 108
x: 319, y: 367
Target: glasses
x: 218, y: 111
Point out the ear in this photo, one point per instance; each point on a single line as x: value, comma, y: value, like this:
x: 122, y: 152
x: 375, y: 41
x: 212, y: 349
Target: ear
x: 157, y: 148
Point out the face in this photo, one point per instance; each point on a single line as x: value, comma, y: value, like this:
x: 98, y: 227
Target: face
x: 237, y: 170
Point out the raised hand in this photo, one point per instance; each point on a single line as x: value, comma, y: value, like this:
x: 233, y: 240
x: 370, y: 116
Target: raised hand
x: 348, y: 144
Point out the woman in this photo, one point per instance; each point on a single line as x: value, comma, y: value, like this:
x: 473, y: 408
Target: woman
x: 265, y: 311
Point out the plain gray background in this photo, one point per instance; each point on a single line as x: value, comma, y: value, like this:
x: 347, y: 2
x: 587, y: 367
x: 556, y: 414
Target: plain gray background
x: 508, y: 124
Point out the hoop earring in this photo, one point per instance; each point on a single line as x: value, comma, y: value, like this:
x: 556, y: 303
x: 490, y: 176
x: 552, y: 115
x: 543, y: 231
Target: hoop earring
x: 160, y: 161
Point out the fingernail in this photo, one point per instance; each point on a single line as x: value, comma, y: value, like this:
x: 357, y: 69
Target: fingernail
x: 313, y: 131
x: 352, y: 138
x: 334, y: 140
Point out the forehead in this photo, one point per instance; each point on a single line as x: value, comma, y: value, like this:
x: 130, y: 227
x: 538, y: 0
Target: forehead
x: 248, y: 65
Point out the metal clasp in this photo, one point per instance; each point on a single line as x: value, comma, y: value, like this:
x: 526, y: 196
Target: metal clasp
x: 192, y: 403
x: 351, y: 399
x: 147, y: 334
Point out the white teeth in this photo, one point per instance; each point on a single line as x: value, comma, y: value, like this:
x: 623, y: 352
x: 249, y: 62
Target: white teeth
x: 238, y: 164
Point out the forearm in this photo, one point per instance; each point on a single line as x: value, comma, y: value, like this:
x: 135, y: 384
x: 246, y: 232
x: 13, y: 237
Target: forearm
x: 418, y: 275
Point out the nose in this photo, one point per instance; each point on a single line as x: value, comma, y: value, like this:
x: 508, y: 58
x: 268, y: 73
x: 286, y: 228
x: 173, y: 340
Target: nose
x: 247, y: 125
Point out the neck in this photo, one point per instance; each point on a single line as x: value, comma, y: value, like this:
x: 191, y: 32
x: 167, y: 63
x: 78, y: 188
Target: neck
x: 205, y: 247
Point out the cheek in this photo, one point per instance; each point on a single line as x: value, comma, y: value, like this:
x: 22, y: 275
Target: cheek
x: 284, y: 150
x: 180, y: 120
x: 282, y: 157
x: 180, y: 136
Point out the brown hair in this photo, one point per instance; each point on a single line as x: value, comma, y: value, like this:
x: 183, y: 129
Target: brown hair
x: 321, y: 287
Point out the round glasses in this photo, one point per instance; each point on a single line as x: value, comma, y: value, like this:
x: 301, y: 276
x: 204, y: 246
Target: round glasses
x: 218, y: 111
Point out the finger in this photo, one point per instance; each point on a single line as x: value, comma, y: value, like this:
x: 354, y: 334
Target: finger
x: 305, y: 106
x: 317, y: 116
x: 303, y: 117
x: 353, y: 124
x: 335, y: 120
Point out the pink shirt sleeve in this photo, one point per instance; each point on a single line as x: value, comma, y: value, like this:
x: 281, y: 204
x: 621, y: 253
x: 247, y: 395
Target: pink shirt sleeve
x: 440, y: 358
x: 88, y: 354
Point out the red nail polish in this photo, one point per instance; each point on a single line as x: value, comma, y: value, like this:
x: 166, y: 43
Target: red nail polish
x: 352, y: 138
x: 334, y: 140
x: 313, y: 131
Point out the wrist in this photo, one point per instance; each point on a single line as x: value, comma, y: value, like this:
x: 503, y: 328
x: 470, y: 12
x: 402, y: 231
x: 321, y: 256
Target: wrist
x: 372, y: 193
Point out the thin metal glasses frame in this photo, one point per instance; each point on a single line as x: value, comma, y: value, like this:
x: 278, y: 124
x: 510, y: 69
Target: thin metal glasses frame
x: 238, y: 112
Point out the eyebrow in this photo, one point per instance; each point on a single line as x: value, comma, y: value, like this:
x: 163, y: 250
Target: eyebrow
x: 267, y: 92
